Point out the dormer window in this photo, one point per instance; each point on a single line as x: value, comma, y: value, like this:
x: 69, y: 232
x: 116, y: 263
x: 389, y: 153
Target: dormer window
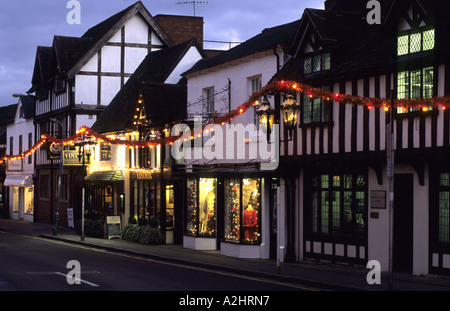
x: 316, y: 63
x: 411, y: 42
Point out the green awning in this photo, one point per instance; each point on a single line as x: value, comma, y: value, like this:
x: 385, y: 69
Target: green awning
x: 106, y: 176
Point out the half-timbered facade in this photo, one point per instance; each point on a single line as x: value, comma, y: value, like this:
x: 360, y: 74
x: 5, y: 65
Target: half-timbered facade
x: 340, y: 150
x: 75, y: 79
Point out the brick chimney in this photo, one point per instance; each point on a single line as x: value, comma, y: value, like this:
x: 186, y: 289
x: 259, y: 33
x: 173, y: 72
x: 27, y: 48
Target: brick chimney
x: 181, y: 28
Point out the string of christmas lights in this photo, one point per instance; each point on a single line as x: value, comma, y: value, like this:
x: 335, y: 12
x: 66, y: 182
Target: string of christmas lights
x: 284, y: 87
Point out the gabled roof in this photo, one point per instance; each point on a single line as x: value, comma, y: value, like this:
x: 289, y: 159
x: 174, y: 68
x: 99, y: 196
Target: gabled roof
x: 69, y: 50
x: 154, y: 69
x: 101, y: 33
x: 267, y: 39
x: 7, y: 114
x: 41, y: 72
x: 28, y: 106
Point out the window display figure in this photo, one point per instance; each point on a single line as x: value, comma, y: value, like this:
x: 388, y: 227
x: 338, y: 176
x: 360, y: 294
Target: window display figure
x: 207, y: 213
x: 249, y: 222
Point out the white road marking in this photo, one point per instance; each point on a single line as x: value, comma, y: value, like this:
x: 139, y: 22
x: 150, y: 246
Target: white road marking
x: 77, y: 279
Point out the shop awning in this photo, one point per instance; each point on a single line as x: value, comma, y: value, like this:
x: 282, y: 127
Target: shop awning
x: 106, y: 176
x: 18, y: 181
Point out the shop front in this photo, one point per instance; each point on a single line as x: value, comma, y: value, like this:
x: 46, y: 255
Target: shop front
x: 21, y: 193
x: 230, y: 214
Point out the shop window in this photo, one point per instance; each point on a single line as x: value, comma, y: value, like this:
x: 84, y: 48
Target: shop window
x: 192, y: 206
x: 201, y: 207
x: 16, y: 199
x: 242, y: 211
x: 29, y: 201
x: 339, y: 205
x: 170, y: 221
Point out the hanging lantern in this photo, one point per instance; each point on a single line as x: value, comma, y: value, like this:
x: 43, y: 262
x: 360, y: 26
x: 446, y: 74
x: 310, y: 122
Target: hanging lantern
x: 290, y: 109
x: 266, y: 115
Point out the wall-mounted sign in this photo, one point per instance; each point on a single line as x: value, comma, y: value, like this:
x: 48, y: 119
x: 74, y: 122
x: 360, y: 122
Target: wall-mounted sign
x: 70, y: 158
x: 378, y: 199
x: 14, y: 166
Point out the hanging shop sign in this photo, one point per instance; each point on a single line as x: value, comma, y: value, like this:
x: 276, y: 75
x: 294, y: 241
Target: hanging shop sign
x: 54, y: 151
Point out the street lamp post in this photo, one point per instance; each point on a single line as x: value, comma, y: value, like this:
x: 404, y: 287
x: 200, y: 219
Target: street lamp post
x: 83, y: 148
x: 58, y: 195
x: 290, y: 111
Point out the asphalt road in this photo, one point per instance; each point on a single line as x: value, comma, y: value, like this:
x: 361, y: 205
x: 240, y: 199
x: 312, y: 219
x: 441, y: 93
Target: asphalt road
x: 36, y: 264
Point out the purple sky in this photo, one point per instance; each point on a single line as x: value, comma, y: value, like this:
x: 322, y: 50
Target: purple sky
x: 25, y: 24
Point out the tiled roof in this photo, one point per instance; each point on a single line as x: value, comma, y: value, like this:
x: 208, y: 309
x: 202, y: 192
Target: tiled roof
x: 267, y: 39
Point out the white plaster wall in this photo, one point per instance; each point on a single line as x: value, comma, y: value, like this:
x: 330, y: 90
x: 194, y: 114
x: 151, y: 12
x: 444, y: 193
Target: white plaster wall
x: 378, y: 230
x: 111, y: 59
x: 136, y: 30
x: 85, y: 92
x: 110, y: 87
x: 84, y: 120
x: 133, y: 58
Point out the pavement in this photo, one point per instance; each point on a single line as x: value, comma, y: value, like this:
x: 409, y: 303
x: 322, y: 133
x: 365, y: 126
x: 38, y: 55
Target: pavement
x: 325, y: 276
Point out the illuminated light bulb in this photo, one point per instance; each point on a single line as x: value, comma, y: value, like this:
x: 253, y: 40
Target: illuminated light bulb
x: 425, y: 108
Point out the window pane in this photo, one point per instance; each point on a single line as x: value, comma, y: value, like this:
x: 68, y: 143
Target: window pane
x: 348, y: 212
x: 232, y: 210
x: 317, y: 63
x: 336, y: 181
x: 360, y: 205
x: 444, y: 216
x: 315, y: 211
x: 336, y: 222
x: 428, y: 40
x: 207, y: 210
x: 324, y: 181
x: 192, y: 203
x: 307, y: 65
x: 307, y: 109
x: 416, y: 82
x: 403, y: 85
x: 415, y: 43
x: 317, y: 109
x: 428, y: 79
x: 445, y: 180
x: 326, y: 61
x: 251, y: 209
x: 325, y: 201
x: 402, y: 45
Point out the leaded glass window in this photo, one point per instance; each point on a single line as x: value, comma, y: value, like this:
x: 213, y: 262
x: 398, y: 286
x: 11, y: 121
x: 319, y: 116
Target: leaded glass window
x: 339, y: 205
x: 317, y: 63
x: 414, y: 42
x: 315, y: 109
x: 444, y: 209
x: 415, y: 84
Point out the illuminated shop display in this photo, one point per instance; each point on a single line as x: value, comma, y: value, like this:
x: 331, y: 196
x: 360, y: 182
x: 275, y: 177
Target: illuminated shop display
x: 243, y: 210
x: 201, y: 207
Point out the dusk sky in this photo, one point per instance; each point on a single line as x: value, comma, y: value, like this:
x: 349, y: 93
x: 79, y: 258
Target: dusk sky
x: 26, y: 24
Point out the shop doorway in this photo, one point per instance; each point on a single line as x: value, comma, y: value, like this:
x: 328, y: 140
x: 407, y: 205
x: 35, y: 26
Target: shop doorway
x: 403, y: 223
